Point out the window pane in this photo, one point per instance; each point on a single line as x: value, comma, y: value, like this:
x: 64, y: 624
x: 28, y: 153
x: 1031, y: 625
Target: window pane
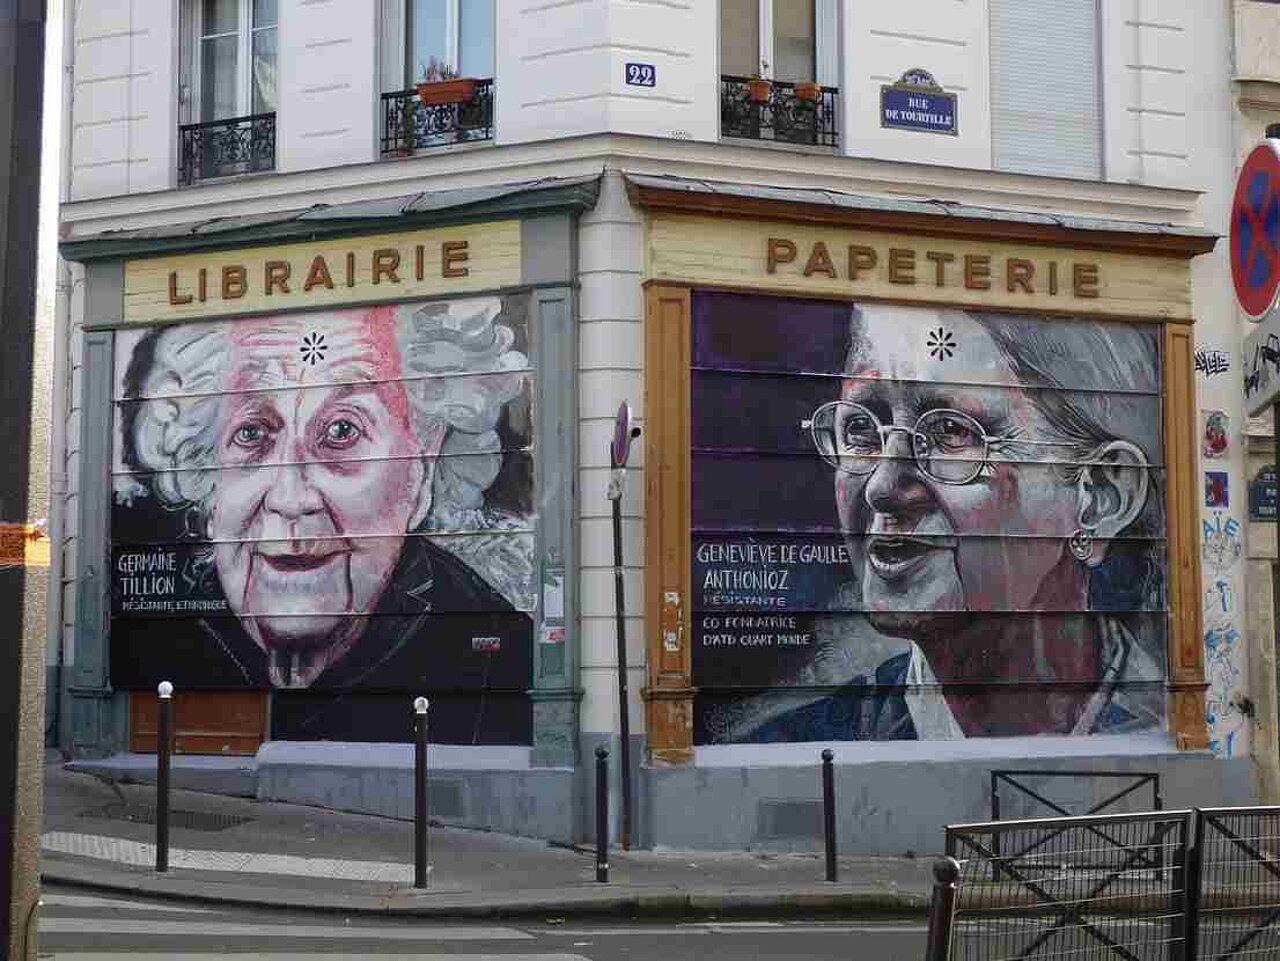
x: 475, y: 49
x: 739, y: 37
x: 264, y: 13
x: 218, y: 78
x: 427, y: 35
x: 264, y: 70
x: 219, y: 16
x: 793, y: 47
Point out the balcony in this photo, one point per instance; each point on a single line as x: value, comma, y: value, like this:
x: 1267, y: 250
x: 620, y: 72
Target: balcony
x: 226, y: 148
x: 773, y: 110
x: 408, y: 124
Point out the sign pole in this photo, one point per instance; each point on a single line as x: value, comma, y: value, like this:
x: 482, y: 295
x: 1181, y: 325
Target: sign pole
x: 22, y: 69
x: 619, y: 452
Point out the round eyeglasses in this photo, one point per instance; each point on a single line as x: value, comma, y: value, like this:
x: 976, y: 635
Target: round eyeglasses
x: 948, y: 446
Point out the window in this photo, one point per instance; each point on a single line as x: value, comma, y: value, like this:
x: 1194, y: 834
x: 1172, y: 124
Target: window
x: 230, y: 66
x: 227, y: 99
x: 457, y: 33
x: 787, y: 40
x: 1046, y: 102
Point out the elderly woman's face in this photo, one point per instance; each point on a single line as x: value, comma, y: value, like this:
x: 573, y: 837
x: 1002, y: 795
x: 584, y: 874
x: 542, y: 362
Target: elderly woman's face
x: 322, y: 475
x: 949, y: 542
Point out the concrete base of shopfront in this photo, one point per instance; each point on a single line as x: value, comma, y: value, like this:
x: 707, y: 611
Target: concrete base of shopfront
x: 897, y: 807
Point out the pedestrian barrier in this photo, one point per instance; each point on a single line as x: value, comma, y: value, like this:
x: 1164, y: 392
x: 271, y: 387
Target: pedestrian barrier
x: 1198, y: 885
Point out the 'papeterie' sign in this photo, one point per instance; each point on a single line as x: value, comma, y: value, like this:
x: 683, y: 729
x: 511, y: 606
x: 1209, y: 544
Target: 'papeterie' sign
x: 918, y: 102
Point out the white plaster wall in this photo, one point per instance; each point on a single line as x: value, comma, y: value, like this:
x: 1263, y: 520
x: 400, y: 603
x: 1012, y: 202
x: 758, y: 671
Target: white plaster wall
x: 1257, y: 41
x: 1158, y: 56
x: 610, y: 370
x: 1205, y: 97
x: 949, y: 38
x: 124, y: 103
x: 560, y: 68
x: 327, y: 80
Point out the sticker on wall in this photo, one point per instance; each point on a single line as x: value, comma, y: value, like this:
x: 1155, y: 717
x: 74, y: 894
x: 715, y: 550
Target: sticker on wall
x: 918, y: 102
x: 1219, y: 602
x: 1221, y: 542
x: 1216, y: 491
x: 1215, y: 436
x: 1262, y: 494
x: 1212, y: 361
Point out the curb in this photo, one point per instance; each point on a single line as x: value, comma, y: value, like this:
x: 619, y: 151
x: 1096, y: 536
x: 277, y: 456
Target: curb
x: 631, y: 901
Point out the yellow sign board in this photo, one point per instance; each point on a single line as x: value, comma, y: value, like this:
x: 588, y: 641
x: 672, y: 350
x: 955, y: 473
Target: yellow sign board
x: 382, y: 267
x: 824, y: 260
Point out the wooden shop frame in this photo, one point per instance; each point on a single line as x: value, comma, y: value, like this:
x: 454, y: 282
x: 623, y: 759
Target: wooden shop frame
x: 1151, y: 270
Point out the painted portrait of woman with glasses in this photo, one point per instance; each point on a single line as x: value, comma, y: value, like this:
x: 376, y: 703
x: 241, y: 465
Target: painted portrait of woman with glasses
x: 998, y: 492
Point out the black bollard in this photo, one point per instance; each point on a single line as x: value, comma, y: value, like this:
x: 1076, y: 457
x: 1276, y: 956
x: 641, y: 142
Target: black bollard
x: 602, y: 814
x: 164, y: 743
x: 829, y: 811
x: 942, y: 909
x: 420, y: 706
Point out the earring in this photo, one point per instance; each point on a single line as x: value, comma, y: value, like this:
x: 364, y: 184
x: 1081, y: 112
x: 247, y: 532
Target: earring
x: 1081, y: 544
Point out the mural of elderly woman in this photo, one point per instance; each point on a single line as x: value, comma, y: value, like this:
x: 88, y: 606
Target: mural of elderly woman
x: 998, y: 483
x: 307, y: 457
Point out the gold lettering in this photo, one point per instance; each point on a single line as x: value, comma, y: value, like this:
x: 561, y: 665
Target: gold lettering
x: 1053, y: 276
x: 1018, y: 273
x: 174, y: 297
x: 940, y: 260
x: 453, y: 253
x: 235, y: 282
x: 419, y: 261
x: 1084, y: 280
x: 277, y: 276
x: 385, y: 262
x: 318, y: 274
x: 977, y: 270
x: 351, y: 270
x: 202, y: 285
x: 780, y: 251
x: 820, y: 262
x: 860, y: 259
x: 902, y: 265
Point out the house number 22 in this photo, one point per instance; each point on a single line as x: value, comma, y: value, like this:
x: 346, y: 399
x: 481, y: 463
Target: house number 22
x: 641, y: 75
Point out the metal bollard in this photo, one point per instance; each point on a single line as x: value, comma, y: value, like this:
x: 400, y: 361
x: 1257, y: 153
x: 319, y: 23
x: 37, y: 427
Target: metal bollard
x: 942, y: 908
x: 829, y: 811
x: 164, y: 743
x: 420, y: 705
x: 602, y: 814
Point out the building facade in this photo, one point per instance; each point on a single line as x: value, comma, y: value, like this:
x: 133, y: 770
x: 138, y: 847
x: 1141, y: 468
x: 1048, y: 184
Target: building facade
x: 921, y: 312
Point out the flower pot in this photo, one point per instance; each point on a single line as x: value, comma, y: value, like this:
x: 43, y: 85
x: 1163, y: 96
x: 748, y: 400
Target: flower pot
x: 457, y: 90
x: 808, y: 90
x: 758, y: 90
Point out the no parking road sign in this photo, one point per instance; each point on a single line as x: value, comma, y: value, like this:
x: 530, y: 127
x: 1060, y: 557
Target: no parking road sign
x: 1255, y: 231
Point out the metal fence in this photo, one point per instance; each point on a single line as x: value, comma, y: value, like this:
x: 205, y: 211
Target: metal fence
x: 408, y: 124
x: 1086, y: 887
x: 1173, y: 886
x: 779, y: 113
x: 1235, y: 871
x: 226, y: 148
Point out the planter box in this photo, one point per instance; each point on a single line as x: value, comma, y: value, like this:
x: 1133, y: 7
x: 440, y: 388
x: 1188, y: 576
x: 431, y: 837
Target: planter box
x: 458, y: 90
x: 758, y: 90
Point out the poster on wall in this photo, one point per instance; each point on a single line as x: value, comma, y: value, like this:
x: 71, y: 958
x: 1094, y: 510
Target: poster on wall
x: 336, y: 506
x: 953, y: 525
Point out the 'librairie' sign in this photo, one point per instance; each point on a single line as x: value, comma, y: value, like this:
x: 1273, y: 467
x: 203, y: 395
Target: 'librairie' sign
x: 918, y: 102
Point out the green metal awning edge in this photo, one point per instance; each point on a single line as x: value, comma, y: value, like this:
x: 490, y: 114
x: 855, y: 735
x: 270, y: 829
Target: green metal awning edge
x: 442, y: 208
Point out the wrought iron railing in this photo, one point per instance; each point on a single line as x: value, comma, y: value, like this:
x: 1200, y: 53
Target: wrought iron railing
x: 774, y: 110
x: 408, y: 124
x: 225, y: 148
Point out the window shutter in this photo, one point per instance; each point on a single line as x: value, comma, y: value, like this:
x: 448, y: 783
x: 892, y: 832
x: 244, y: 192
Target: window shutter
x: 1046, y: 111
x: 828, y: 43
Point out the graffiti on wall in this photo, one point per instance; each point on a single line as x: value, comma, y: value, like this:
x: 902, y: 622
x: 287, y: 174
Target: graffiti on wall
x: 953, y: 525
x: 335, y: 505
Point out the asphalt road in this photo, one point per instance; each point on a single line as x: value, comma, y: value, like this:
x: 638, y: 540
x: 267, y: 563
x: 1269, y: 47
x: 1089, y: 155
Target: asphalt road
x: 77, y: 925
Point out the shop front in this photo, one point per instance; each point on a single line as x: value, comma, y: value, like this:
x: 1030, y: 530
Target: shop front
x: 922, y: 489
x: 323, y: 473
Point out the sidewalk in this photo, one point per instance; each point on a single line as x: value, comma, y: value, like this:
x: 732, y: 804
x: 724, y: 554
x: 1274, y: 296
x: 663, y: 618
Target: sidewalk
x: 241, y: 851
